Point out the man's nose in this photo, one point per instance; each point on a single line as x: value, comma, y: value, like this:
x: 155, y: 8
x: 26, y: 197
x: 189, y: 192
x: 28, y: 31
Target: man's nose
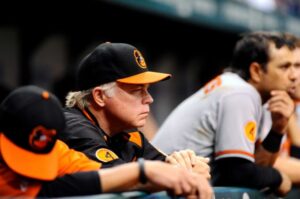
x: 147, y: 98
x: 294, y: 74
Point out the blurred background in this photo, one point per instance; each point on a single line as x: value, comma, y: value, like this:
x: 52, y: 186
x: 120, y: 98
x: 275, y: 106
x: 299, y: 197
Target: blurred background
x: 41, y: 42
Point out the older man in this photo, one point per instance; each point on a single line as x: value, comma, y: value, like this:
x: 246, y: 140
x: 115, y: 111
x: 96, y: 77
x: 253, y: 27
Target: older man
x: 33, y: 163
x: 112, y: 102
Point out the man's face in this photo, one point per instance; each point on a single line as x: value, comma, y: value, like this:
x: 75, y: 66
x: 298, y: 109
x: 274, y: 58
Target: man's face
x: 129, y: 106
x: 281, y: 73
x: 295, y: 94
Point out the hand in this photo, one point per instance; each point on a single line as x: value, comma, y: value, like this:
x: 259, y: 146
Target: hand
x: 285, y: 185
x: 184, y: 158
x: 281, y: 107
x: 188, y: 159
x: 177, y: 180
x: 204, y: 191
x: 201, y: 167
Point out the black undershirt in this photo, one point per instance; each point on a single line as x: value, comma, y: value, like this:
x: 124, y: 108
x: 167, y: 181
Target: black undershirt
x: 241, y: 172
x: 77, y: 184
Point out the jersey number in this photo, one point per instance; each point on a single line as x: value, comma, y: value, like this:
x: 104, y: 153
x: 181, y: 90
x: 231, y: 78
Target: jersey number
x: 211, y: 85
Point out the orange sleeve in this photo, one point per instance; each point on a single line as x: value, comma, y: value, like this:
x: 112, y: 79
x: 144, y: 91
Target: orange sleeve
x: 71, y: 161
x: 13, y: 185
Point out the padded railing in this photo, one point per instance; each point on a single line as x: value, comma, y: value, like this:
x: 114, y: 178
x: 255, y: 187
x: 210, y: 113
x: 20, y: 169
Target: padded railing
x: 220, y: 193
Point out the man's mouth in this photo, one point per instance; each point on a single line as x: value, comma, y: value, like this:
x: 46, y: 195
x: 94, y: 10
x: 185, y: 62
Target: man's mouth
x: 292, y: 90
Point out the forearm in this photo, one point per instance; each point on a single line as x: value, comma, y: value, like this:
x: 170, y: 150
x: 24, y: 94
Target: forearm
x: 119, y: 178
x: 75, y: 184
x: 294, y: 131
x: 125, y: 177
x: 289, y: 166
x: 264, y: 157
x: 242, y: 172
x: 267, y: 152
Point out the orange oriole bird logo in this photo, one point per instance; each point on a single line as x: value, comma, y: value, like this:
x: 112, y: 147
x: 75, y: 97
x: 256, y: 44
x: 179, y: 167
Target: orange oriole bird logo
x: 139, y: 59
x: 40, y: 138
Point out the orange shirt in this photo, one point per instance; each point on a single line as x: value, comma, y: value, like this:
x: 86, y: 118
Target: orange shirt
x: 70, y: 161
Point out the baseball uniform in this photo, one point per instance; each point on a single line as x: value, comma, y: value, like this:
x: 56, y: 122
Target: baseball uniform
x: 83, y: 133
x: 76, y: 174
x: 220, y: 120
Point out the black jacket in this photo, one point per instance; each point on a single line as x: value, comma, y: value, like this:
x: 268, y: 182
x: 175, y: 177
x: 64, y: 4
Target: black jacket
x: 84, y: 134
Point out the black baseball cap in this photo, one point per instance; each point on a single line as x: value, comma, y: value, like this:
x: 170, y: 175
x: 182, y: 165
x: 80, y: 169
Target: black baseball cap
x: 30, y: 120
x: 119, y: 62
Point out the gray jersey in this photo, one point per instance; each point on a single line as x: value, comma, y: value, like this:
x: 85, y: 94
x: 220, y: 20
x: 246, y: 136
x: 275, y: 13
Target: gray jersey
x: 220, y: 120
x: 265, y: 123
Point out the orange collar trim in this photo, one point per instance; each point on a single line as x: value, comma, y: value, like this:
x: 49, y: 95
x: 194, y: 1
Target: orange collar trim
x: 87, y: 115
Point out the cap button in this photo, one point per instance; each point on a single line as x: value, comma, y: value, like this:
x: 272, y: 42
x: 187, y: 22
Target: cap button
x: 45, y: 95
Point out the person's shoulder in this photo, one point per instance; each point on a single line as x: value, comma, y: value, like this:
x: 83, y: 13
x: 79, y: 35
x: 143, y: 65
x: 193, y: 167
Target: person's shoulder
x: 76, y: 121
x: 71, y: 111
x: 73, y: 114
x: 226, y: 84
x: 233, y: 84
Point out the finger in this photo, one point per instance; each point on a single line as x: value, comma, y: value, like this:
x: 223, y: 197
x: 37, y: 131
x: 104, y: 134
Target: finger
x: 281, y: 97
x: 282, y: 94
x: 179, y: 158
x: 192, y: 156
x: 203, y: 159
x: 205, y: 166
x: 186, y: 158
x: 283, y: 100
x: 171, y: 160
x: 205, y: 191
x: 186, y: 187
x: 277, y: 106
x: 193, y: 185
x: 177, y: 190
x: 203, y: 162
x: 192, y: 196
x: 282, y: 103
x: 278, y: 92
x: 208, y: 176
x: 284, y: 107
x: 282, y: 110
x: 203, y: 169
x: 206, y: 194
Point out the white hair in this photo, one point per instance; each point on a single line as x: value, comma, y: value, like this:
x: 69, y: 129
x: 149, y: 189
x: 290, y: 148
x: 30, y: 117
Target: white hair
x: 82, y: 99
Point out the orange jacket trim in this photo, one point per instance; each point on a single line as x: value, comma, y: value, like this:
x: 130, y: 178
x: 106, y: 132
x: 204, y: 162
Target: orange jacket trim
x: 135, y: 137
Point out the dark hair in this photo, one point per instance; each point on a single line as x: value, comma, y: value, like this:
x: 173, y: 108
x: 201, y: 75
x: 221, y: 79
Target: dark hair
x: 254, y: 47
x: 292, y: 38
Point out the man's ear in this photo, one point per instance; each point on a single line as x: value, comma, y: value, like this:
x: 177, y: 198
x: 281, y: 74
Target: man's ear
x: 256, y: 71
x: 98, y: 96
